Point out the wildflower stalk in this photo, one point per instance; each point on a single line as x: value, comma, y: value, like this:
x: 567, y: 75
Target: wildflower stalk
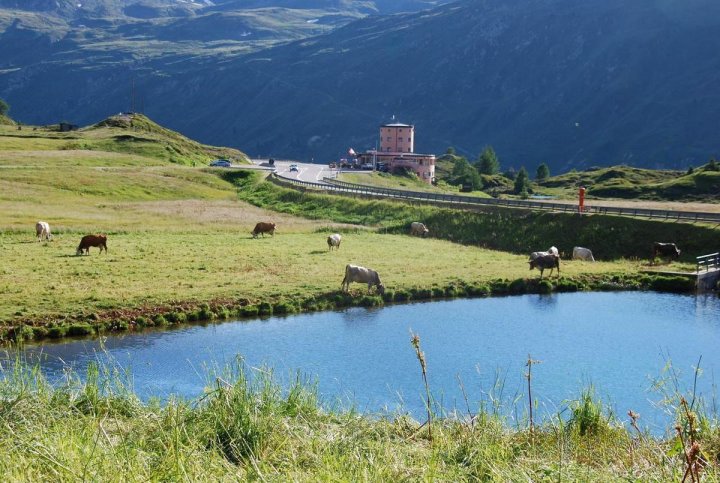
x: 529, y: 365
x: 415, y: 341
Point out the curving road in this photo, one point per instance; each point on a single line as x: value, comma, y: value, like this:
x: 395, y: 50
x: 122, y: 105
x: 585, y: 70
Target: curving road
x: 313, y: 173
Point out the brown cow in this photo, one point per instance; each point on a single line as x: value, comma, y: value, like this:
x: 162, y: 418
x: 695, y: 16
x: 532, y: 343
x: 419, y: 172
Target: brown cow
x: 88, y: 241
x: 262, y: 228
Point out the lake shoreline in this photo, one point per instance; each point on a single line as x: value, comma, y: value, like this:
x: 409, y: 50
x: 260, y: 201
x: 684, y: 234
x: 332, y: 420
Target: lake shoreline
x: 180, y: 313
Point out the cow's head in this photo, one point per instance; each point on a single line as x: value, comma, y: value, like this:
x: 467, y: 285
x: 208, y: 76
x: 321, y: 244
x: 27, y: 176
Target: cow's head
x: 381, y: 289
x: 532, y: 264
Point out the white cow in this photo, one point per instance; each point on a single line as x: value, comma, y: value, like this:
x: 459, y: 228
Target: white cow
x: 418, y: 229
x: 42, y: 230
x: 580, y: 253
x: 334, y: 241
x: 354, y: 273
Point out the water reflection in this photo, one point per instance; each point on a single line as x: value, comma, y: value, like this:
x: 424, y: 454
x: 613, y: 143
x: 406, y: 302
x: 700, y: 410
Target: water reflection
x: 363, y: 356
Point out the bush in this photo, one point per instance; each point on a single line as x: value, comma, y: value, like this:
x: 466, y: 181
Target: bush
x: 567, y: 285
x: 402, y: 295
x: 284, y: 308
x: 57, y: 332
x: 265, y: 308
x: 39, y: 333
x: 477, y: 290
x: 77, y: 330
x: 370, y: 301
x: 518, y: 286
x: 160, y: 321
x: 249, y: 311
x: 23, y: 332
x: 141, y: 321
x: 223, y: 313
x: 205, y: 312
x: 452, y: 291
x: 587, y: 417
x: 544, y: 286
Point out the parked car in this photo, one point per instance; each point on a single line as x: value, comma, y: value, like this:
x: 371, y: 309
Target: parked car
x: 367, y: 166
x: 293, y: 167
x: 221, y: 163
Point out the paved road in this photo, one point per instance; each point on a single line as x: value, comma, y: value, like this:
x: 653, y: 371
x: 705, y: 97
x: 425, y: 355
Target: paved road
x: 310, y: 172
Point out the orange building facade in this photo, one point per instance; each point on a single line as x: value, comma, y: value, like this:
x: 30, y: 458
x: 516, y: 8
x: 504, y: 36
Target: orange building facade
x: 397, y: 150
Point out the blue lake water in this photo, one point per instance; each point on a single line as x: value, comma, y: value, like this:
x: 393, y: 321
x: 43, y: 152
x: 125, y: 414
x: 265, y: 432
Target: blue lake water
x: 619, y: 342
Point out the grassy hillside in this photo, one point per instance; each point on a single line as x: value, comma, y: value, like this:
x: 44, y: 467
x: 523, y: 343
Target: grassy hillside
x: 116, y: 141
x: 700, y: 184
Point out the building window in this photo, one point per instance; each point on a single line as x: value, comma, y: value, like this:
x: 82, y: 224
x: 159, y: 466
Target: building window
x: 389, y: 138
x: 408, y: 150
x: 388, y: 150
x: 408, y: 139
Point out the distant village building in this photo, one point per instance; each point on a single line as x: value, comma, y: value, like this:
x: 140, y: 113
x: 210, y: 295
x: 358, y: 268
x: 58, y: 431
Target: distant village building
x: 397, y: 150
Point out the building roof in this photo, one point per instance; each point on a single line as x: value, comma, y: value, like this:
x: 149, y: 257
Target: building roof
x: 398, y: 154
x: 397, y: 124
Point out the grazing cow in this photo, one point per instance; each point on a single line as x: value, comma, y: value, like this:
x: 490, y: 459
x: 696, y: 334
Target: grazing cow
x: 418, y: 229
x: 88, y: 241
x: 551, y: 251
x: 262, y: 228
x: 547, y: 260
x: 333, y: 241
x: 580, y: 253
x: 353, y: 273
x: 669, y: 250
x: 42, y: 230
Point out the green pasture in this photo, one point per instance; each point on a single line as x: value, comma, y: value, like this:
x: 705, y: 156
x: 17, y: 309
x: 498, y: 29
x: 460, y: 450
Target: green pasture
x: 154, y: 267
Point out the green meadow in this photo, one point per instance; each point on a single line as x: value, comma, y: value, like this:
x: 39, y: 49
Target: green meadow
x: 180, y: 250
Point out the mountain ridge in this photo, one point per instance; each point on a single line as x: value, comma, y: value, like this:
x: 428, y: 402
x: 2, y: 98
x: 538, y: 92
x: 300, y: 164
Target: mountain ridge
x: 573, y: 85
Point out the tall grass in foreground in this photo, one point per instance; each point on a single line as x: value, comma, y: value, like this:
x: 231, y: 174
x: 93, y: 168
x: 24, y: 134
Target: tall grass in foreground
x: 246, y: 426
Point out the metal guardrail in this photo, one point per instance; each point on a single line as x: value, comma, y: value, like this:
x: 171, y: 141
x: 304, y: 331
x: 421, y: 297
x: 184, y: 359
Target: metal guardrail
x: 332, y: 185
x: 708, y: 262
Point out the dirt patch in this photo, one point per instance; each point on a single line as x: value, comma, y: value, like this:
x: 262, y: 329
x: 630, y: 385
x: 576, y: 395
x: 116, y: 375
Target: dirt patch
x: 227, y: 212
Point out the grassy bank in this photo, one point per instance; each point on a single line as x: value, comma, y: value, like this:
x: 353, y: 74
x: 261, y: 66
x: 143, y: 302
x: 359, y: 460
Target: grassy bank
x: 249, y: 428
x: 610, y: 237
x: 173, y: 260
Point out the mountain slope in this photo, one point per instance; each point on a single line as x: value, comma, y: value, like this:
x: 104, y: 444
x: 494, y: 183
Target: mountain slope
x: 569, y: 83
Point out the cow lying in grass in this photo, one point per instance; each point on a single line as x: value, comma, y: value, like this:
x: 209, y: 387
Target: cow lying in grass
x: 354, y: 273
x: 88, y: 241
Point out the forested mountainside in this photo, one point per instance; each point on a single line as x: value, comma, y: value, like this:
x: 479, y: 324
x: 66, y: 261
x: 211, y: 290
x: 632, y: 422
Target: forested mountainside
x: 568, y: 83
